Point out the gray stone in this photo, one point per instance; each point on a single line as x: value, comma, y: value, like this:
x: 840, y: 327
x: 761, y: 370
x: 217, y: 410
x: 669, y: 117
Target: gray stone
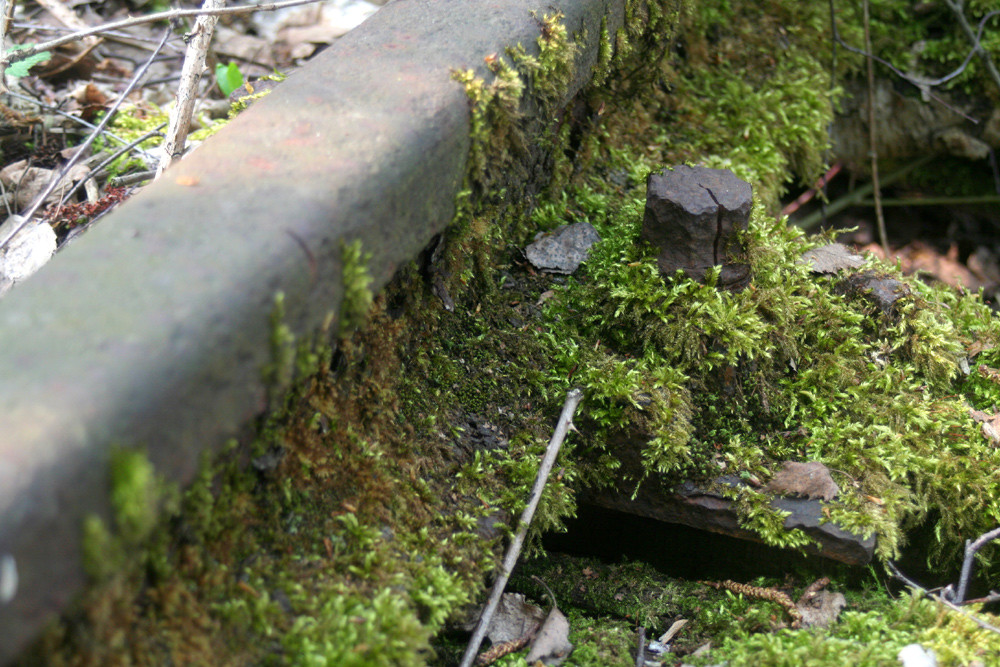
x: 563, y: 250
x: 693, y: 218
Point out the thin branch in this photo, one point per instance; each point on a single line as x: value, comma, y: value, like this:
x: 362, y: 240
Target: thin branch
x: 187, y: 89
x: 15, y: 56
x: 923, y: 84
x: 96, y: 170
x: 872, y: 132
x: 852, y: 198
x: 806, y: 196
x: 6, y: 15
x: 640, y: 654
x: 60, y: 112
x: 573, y: 398
x: 937, y: 598
x: 40, y: 199
x: 131, y: 179
x: 956, y: 7
x: 970, y: 555
x: 934, y: 201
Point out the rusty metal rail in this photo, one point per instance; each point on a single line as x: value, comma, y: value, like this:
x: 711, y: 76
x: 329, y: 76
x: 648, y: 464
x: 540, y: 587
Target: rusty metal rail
x: 152, y: 329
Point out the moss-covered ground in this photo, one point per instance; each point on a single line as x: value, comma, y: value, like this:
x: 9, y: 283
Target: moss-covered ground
x: 363, y: 516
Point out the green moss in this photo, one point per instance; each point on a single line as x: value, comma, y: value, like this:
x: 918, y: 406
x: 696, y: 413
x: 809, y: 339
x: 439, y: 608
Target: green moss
x: 130, y: 123
x: 137, y: 497
x: 347, y: 530
x: 874, y: 396
x: 868, y: 639
x: 356, y: 283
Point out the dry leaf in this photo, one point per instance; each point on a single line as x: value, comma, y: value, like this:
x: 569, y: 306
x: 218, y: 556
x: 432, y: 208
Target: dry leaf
x: 822, y: 609
x: 989, y: 424
x: 830, y: 259
x: 551, y: 644
x: 811, y: 480
x: 514, y: 617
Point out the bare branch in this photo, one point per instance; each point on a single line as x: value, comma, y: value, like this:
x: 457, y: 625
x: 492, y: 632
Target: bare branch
x: 940, y: 599
x: 15, y: 56
x: 970, y: 555
x: 573, y: 398
x: 6, y: 14
x: 872, y: 132
x: 977, y: 46
x: 60, y: 112
x: 85, y: 145
x: 187, y: 89
x: 923, y: 84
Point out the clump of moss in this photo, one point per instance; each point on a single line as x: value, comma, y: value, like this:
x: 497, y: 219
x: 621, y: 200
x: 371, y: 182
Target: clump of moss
x: 867, y: 639
x: 789, y: 368
x: 138, y: 497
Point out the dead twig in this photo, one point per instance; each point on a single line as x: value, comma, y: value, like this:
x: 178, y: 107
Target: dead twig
x: 971, y: 548
x: 852, y: 198
x: 573, y: 398
x: 806, y: 196
x: 956, y: 7
x: 6, y: 15
x: 96, y: 172
x: 59, y: 112
x: 85, y: 146
x: 640, y: 654
x: 187, y: 89
x: 938, y: 598
x: 15, y: 56
x: 872, y: 132
x: 921, y: 83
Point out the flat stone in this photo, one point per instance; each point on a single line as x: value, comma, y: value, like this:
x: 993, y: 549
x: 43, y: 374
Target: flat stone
x: 697, y: 506
x: 563, y: 250
x: 693, y: 217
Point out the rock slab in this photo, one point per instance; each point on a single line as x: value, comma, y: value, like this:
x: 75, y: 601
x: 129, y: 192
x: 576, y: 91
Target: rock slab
x: 693, y: 218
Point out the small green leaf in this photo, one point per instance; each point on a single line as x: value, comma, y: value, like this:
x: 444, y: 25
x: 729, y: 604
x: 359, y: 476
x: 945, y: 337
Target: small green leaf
x: 21, y: 67
x: 229, y: 77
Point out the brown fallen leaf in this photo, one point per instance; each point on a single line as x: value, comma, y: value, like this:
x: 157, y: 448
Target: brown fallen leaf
x: 989, y: 424
x: 810, y: 479
x: 551, y: 645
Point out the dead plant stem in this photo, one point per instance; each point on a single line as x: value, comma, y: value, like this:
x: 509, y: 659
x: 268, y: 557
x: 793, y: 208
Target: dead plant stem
x: 971, y: 548
x: 872, y: 145
x: 940, y: 599
x: 6, y: 15
x: 187, y: 89
x: 573, y: 398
